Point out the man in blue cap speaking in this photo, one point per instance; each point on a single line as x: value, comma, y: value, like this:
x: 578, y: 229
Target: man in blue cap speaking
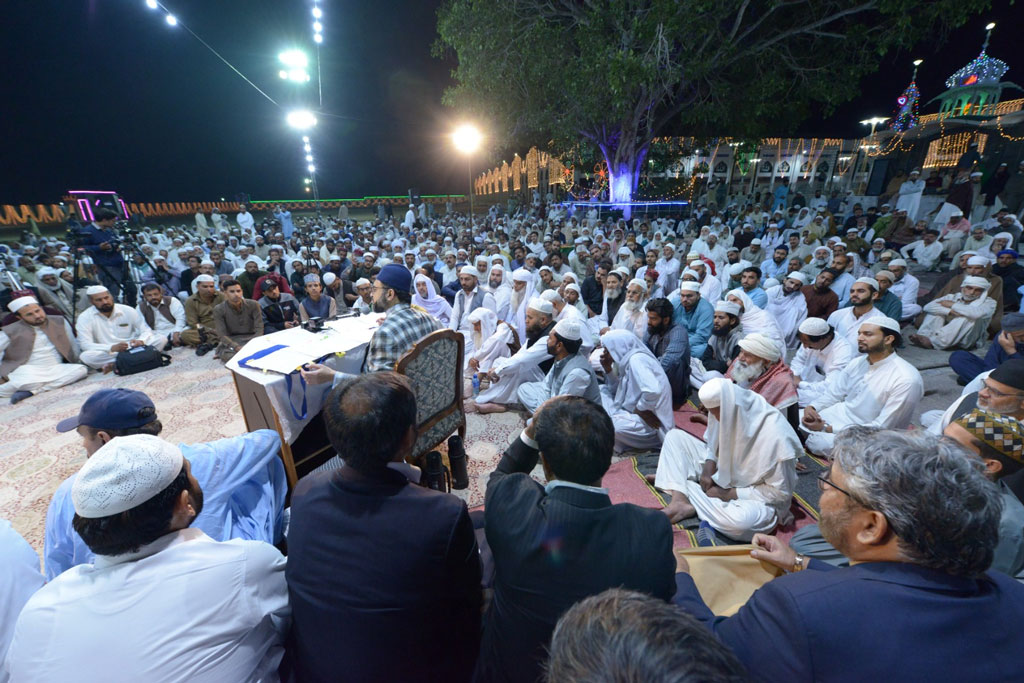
x: 242, y: 478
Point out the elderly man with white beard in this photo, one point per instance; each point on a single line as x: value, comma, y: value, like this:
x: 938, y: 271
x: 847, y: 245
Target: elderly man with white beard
x: 614, y: 296
x: 632, y: 315
x: 786, y: 302
x: 522, y: 280
x: 668, y: 267
x: 491, y: 339
x: 820, y: 260
x: 528, y: 364
x: 760, y: 367
x: 820, y: 358
x: 740, y: 478
x: 636, y: 394
x: 957, y: 321
x: 501, y: 289
x: 905, y: 288
x: 470, y: 297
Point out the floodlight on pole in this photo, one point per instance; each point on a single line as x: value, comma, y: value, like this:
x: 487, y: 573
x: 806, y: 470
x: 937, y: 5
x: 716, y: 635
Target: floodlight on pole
x: 305, y: 138
x: 467, y: 139
x: 318, y: 38
x: 317, y: 13
x: 308, y: 181
x: 307, y: 147
x: 318, y: 27
x: 311, y: 168
x: 294, y: 58
x: 301, y: 119
x: 873, y: 122
x: 171, y: 20
x: 990, y: 26
x: 152, y: 4
x: 918, y: 62
x: 309, y: 157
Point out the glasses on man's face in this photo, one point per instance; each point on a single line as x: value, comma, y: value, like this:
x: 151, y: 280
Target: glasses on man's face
x: 823, y: 480
x: 996, y: 393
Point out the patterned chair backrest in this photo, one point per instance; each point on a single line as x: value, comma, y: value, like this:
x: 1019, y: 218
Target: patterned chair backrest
x: 434, y: 366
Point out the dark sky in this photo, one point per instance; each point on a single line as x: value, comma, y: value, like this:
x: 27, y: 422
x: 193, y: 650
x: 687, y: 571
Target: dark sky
x: 102, y: 94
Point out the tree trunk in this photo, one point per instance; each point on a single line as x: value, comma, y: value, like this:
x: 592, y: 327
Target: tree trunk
x: 624, y: 154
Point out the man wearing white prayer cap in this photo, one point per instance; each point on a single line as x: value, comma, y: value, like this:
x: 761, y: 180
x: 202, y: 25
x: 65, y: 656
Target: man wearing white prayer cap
x: 668, y: 267
x: 471, y: 296
x: 529, y: 364
x: 905, y: 288
x: 135, y: 500
x: 820, y: 358
x: 38, y: 352
x: 957, y: 321
x: 877, y: 389
x: 570, y: 373
x: 107, y: 328
x: 846, y: 321
x: 740, y: 478
x: 200, y: 327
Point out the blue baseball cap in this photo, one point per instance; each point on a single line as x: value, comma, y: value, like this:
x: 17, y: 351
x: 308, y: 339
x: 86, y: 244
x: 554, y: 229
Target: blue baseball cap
x: 112, y: 409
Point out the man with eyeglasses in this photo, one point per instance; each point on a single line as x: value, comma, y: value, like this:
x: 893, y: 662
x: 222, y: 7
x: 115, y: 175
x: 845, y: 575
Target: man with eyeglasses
x: 919, y: 521
x: 1000, y: 391
x: 401, y: 329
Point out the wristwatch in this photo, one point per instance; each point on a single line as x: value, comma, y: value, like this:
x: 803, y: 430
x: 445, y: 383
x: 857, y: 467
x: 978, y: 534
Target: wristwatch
x: 798, y: 564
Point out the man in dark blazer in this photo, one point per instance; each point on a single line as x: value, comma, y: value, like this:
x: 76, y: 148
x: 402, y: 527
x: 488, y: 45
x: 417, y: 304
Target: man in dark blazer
x: 557, y: 544
x: 919, y: 521
x: 383, y: 575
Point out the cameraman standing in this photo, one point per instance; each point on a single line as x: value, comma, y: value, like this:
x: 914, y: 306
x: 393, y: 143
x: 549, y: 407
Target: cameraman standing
x: 101, y: 241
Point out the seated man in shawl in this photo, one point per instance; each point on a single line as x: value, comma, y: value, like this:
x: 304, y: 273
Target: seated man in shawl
x: 491, y: 340
x: 976, y: 266
x: 877, y: 388
x: 570, y: 373
x: 787, y: 304
x: 316, y: 305
x: 242, y: 478
x: 740, y: 478
x: 670, y: 344
x: 723, y: 346
x: 755, y: 320
x: 760, y: 367
x: 528, y: 364
x: 1008, y: 344
x: 613, y: 299
x: 957, y: 321
x: 636, y: 394
x: 820, y: 358
x: 427, y: 298
x: 906, y: 288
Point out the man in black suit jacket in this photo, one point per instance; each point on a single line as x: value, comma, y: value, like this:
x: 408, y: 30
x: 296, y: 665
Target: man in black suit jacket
x: 557, y: 544
x: 919, y: 521
x: 383, y: 576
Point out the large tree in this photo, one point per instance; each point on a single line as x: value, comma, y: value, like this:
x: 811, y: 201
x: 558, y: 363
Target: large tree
x: 617, y: 73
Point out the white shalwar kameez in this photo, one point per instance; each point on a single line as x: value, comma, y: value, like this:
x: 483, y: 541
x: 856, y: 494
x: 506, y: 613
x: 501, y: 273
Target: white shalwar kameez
x: 97, y: 333
x: 966, y: 330
x: 45, y: 368
x: 164, y: 328
x: 19, y: 579
x: 756, y: 451
x: 910, y: 197
x: 883, y: 394
x: 523, y: 366
x: 756, y: 320
x: 639, y: 384
x: 815, y: 367
x: 634, y: 321
x: 493, y: 343
x: 789, y: 310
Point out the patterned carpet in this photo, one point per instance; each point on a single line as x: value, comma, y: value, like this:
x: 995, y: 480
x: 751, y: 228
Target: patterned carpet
x: 196, y: 402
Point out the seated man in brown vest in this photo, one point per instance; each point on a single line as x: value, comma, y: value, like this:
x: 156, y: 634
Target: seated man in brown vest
x: 165, y: 315
x: 201, y: 328
x: 37, y: 353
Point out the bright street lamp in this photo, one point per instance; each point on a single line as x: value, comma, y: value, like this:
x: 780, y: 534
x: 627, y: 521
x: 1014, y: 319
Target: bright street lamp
x: 874, y: 121
x: 309, y: 157
x: 172, y: 20
x: 317, y: 13
x: 991, y: 26
x: 301, y: 119
x: 467, y: 139
x: 296, y: 58
x: 318, y: 38
x: 152, y: 4
x: 312, y: 168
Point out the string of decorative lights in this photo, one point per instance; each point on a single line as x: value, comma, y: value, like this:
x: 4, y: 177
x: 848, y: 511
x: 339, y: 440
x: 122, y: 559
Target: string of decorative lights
x: 172, y: 20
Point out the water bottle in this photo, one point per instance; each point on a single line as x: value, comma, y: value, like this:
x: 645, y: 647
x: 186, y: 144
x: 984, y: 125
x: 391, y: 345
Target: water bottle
x: 476, y: 384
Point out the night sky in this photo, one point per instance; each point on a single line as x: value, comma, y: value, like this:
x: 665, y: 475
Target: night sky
x: 102, y: 94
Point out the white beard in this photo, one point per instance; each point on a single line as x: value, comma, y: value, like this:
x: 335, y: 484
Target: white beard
x: 744, y: 374
x: 477, y: 340
x: 517, y: 298
x: 629, y: 306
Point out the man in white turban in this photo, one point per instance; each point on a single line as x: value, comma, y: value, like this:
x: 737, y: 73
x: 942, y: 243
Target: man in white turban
x: 632, y: 314
x: 500, y: 286
x: 756, y: 320
x: 636, y: 394
x: 740, y: 479
x: 135, y: 501
x: 957, y: 321
x: 570, y: 374
x: 528, y: 364
x: 786, y: 302
x: 522, y: 285
x: 38, y: 352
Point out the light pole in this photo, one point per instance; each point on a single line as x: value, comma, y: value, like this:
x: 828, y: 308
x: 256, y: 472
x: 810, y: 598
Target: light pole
x: 873, y: 122
x: 466, y: 139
